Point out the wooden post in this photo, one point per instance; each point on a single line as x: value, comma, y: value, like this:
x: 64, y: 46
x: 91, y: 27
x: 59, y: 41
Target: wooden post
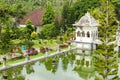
x: 46, y: 51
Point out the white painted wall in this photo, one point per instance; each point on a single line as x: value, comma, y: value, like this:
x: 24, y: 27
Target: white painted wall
x: 85, y: 42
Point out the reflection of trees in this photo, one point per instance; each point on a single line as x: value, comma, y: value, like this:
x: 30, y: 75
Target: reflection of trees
x: 51, y: 64
x: 29, y: 68
x: 71, y: 58
x: 85, y: 73
x: 14, y: 73
x: 55, y: 64
x: 48, y: 64
x: 65, y: 62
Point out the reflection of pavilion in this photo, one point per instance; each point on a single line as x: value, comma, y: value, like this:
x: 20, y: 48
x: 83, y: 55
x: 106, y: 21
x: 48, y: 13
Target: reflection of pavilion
x: 85, y: 61
x: 84, y: 70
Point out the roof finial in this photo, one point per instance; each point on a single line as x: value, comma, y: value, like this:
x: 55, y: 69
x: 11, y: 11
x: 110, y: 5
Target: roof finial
x: 87, y: 14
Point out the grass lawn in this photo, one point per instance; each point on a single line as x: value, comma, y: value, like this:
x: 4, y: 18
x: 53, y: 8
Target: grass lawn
x: 9, y: 62
x: 49, y: 43
x: 38, y: 43
x: 36, y: 56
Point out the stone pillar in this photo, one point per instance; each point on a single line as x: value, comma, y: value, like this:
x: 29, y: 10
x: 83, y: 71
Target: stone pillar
x: 27, y: 57
x: 4, y: 61
x: 46, y: 50
x: 58, y: 50
x: 69, y: 45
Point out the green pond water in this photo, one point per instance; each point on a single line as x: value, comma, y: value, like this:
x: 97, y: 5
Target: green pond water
x: 60, y: 67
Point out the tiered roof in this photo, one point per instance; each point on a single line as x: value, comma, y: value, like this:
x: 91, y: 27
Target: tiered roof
x: 86, y: 21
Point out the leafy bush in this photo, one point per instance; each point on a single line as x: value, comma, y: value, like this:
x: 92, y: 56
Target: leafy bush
x: 33, y: 35
x: 49, y: 31
x: 28, y: 43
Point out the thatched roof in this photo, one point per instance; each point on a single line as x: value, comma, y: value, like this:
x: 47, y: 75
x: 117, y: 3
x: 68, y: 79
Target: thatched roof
x: 87, y: 21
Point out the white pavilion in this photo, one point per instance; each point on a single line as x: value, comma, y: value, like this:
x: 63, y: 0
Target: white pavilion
x: 86, y: 32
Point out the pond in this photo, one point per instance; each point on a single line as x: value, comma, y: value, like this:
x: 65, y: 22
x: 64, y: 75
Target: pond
x: 61, y: 67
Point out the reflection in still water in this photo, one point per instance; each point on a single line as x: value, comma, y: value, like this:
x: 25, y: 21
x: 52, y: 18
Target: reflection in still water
x: 63, y: 67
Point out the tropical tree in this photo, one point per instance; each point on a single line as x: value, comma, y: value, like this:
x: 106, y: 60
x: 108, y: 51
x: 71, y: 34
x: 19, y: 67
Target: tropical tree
x: 106, y: 63
x: 4, y: 14
x: 5, y: 38
x: 17, y: 11
x: 29, y: 29
x: 68, y: 17
x: 49, y: 16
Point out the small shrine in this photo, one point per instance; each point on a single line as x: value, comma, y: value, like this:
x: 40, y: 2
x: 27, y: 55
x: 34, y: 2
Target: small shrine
x: 86, y: 32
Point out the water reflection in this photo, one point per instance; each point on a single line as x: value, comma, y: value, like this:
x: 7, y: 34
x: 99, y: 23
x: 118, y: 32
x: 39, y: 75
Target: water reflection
x: 62, y: 67
x: 29, y: 68
x: 13, y: 74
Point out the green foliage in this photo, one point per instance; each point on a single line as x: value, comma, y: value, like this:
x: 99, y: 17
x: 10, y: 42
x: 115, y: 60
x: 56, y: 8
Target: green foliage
x: 71, y: 13
x: 49, y: 16
x: 33, y: 35
x: 68, y: 16
x: 117, y: 8
x: 49, y: 31
x: 105, y: 58
x: 28, y: 43
x: 17, y: 11
x: 4, y: 11
x: 100, y: 14
x: 5, y: 38
x: 29, y: 29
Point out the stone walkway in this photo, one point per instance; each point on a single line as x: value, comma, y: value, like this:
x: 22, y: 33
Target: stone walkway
x: 35, y: 59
